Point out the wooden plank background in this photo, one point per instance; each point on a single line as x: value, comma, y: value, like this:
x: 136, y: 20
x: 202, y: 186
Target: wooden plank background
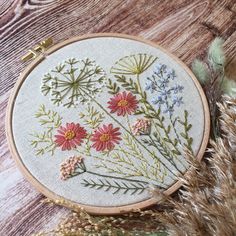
x: 184, y: 27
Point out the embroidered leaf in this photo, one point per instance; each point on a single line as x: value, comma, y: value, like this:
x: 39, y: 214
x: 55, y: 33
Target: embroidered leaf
x: 49, y: 120
x: 114, y: 186
x: 92, y: 117
x: 187, y: 127
x: 113, y: 88
x: 43, y: 143
x: 128, y: 84
x: 176, y: 152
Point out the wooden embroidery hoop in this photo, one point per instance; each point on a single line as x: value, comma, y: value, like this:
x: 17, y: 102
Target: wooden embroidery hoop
x: 93, y: 209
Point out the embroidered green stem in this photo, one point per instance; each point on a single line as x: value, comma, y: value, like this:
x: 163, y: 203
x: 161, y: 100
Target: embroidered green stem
x: 129, y: 169
x: 172, y: 154
x: 116, y: 187
x: 116, y: 177
x: 161, y: 148
x: 185, y: 135
x: 49, y: 120
x: 169, y: 154
x: 137, y: 154
x: 173, y: 124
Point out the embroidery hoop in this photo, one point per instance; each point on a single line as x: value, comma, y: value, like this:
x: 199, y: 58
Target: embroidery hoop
x: 94, y: 209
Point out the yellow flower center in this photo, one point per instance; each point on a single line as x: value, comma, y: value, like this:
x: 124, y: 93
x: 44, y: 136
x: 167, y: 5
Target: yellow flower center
x: 122, y: 103
x: 70, y: 134
x: 104, y: 137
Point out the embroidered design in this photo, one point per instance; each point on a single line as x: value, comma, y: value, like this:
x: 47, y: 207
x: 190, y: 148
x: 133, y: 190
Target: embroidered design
x: 141, y: 127
x: 70, y: 82
x: 123, y: 103
x: 70, y: 136
x: 126, y: 157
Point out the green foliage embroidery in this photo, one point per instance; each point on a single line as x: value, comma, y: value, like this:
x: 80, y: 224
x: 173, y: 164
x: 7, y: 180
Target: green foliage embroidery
x: 69, y: 82
x: 112, y: 87
x: 114, y: 186
x: 185, y: 134
x: 48, y: 118
x: 130, y: 162
x: 75, y: 166
x: 92, y: 117
x: 43, y: 142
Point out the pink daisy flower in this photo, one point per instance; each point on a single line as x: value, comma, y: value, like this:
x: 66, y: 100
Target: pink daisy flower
x: 70, y: 136
x: 105, y: 138
x: 123, y: 103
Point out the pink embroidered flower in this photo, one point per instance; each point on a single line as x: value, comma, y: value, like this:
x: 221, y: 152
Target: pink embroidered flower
x: 141, y: 126
x: 68, y: 167
x: 70, y: 136
x: 105, y: 138
x: 123, y: 103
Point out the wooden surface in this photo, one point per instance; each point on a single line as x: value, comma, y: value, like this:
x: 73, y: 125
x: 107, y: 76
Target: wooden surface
x: 184, y: 27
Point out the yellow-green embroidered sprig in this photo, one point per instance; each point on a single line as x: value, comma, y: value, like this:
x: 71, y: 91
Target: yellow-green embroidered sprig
x: 129, y: 161
x: 75, y: 166
x: 42, y: 142
x: 92, y: 117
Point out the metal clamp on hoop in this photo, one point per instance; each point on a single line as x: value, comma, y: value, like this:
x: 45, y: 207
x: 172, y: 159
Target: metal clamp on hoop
x: 38, y: 49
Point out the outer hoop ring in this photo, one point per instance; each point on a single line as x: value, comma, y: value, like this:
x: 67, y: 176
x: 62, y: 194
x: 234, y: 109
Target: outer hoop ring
x: 93, y: 209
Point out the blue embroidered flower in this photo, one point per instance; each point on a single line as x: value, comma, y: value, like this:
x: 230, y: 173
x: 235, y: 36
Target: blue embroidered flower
x: 150, y: 85
x: 165, y: 93
x: 159, y: 100
x: 170, y: 73
x: 164, y: 90
x: 177, y: 101
x: 164, y: 83
x: 169, y: 110
x: 178, y: 89
x: 160, y: 67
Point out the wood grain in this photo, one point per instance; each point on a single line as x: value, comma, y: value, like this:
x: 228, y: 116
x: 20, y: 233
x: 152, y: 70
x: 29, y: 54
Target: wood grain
x: 184, y: 27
